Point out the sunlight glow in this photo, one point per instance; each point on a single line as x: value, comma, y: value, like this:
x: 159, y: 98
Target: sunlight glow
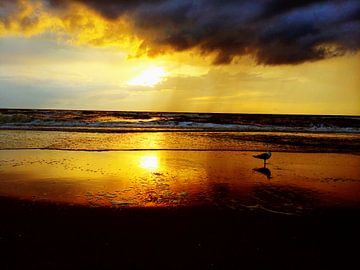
x: 149, y: 162
x: 149, y: 77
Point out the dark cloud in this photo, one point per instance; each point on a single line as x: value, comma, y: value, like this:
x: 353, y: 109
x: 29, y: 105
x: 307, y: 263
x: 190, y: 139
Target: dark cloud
x: 273, y: 31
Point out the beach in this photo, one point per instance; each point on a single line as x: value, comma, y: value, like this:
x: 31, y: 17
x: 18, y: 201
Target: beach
x: 177, y: 209
x: 176, y: 198
x: 176, y: 135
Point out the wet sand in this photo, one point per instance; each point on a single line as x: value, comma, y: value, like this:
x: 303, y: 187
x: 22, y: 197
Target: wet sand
x: 290, y: 181
x: 178, y: 210
x: 145, y: 139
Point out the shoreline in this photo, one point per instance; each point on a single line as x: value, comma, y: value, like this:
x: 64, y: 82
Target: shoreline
x: 187, y: 141
x: 345, y: 152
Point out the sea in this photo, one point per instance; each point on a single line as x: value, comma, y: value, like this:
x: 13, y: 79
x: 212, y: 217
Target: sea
x: 86, y: 130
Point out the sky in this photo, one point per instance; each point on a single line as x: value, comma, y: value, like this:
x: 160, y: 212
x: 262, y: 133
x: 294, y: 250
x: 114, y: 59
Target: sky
x: 266, y: 56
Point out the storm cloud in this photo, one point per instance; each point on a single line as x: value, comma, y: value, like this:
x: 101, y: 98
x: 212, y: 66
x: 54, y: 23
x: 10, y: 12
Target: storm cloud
x: 274, y: 32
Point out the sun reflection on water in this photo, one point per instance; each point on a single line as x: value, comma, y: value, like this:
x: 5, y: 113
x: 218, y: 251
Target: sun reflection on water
x: 174, y: 178
x: 149, y: 162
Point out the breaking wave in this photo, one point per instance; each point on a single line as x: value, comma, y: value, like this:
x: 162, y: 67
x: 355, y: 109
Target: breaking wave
x: 110, y: 121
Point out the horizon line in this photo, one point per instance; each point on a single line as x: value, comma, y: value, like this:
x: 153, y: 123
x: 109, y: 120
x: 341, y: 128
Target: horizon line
x: 184, y: 112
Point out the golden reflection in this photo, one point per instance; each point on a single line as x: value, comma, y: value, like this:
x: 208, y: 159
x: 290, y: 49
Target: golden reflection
x: 160, y: 178
x: 149, y: 162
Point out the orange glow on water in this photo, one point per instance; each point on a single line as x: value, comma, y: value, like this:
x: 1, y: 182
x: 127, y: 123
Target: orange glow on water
x: 179, y: 178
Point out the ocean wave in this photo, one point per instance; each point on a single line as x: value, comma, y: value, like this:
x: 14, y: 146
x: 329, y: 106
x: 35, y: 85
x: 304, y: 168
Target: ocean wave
x: 14, y: 118
x: 109, y: 121
x: 165, y: 127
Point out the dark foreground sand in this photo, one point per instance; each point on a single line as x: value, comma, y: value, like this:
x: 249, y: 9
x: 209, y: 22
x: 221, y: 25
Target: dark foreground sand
x: 49, y: 236
x: 178, y: 210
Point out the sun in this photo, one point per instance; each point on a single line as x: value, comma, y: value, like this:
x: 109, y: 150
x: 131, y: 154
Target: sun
x: 149, y: 77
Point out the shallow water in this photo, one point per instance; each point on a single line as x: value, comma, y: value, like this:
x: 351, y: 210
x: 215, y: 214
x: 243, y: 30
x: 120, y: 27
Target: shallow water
x: 291, y: 182
x: 235, y: 141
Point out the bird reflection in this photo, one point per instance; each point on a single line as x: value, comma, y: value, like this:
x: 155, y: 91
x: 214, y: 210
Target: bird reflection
x: 265, y: 171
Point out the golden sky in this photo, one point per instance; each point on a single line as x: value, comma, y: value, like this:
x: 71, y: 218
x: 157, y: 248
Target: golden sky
x: 168, y: 56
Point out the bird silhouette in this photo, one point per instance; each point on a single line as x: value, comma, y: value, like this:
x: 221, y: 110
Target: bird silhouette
x: 263, y: 156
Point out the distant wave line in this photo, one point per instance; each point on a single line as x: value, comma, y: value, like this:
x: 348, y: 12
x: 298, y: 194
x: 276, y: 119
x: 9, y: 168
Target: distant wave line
x: 178, y: 130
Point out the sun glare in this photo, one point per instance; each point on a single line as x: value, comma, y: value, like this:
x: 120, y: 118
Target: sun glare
x: 149, y: 77
x: 149, y: 162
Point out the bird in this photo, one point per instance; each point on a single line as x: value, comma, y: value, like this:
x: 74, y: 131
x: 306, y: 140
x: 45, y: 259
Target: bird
x: 263, y: 156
